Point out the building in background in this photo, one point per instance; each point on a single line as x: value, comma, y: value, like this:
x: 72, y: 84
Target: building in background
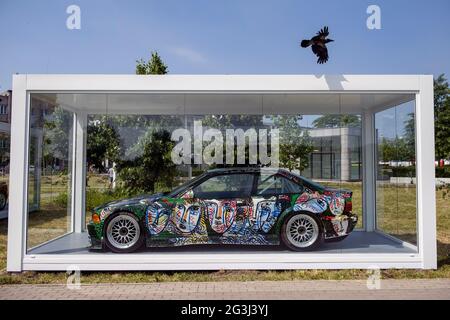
x: 336, y: 154
x: 5, y: 130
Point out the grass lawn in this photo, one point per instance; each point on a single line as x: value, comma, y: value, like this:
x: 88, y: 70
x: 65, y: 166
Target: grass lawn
x: 396, y: 219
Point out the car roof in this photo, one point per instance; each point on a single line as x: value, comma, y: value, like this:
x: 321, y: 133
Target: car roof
x: 248, y: 170
x: 284, y: 172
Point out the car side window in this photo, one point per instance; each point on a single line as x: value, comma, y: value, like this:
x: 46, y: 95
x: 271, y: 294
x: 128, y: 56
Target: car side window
x: 226, y: 186
x: 273, y: 184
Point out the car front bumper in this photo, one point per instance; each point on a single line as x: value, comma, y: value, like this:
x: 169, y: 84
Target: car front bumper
x: 96, y: 243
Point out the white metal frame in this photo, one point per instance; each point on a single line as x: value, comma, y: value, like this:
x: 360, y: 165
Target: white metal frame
x: 420, y: 85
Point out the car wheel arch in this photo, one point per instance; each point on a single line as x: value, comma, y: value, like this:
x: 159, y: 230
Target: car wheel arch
x: 123, y: 210
x: 286, y: 213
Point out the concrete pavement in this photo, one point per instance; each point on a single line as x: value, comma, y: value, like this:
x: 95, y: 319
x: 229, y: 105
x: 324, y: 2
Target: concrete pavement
x: 252, y: 290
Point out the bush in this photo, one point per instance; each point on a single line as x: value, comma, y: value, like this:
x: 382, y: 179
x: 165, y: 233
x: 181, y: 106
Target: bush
x: 387, y: 172
x: 61, y: 199
x: 404, y: 171
x: 94, y: 197
x: 443, y: 172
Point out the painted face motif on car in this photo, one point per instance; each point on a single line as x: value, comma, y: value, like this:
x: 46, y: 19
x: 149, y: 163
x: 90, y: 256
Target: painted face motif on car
x: 340, y: 226
x: 157, y: 218
x: 187, y: 216
x: 274, y: 209
x: 265, y: 212
x: 184, y: 220
x: 337, y: 205
x: 221, y: 214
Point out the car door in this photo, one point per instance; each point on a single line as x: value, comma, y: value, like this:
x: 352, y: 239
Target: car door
x: 272, y: 195
x: 225, y: 198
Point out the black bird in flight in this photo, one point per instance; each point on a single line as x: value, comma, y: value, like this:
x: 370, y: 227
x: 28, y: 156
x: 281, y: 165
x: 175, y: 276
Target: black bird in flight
x: 319, y: 45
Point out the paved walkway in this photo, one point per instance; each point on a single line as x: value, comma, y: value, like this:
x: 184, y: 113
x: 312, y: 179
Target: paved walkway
x: 322, y: 289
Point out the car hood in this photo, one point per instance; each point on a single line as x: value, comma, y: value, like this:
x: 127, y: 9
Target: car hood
x: 141, y: 199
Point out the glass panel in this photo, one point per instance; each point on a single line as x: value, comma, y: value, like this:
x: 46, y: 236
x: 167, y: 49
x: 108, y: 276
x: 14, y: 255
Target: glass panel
x: 396, y: 182
x: 274, y: 184
x: 49, y: 170
x: 129, y: 154
x: 132, y: 140
x: 225, y: 187
x: 336, y: 158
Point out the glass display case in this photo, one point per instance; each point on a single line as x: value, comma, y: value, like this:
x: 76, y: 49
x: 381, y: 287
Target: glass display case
x: 90, y: 140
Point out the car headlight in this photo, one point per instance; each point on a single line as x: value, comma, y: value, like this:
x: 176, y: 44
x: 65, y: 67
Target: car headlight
x: 96, y: 218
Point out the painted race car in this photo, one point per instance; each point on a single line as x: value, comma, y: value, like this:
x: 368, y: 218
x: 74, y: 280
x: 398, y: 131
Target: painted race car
x: 244, y: 206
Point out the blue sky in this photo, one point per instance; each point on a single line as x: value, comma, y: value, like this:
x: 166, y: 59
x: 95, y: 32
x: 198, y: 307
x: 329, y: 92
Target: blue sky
x: 224, y: 37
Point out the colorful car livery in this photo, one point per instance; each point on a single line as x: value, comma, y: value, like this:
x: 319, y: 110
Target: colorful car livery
x: 244, y: 206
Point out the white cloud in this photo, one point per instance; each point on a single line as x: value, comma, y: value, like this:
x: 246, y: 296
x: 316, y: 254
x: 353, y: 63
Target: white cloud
x: 189, y: 54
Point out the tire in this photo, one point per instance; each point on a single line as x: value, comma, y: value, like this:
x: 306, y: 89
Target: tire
x: 301, y: 231
x: 3, y: 201
x: 123, y: 233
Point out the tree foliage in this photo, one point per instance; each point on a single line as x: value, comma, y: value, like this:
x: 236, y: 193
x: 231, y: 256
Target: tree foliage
x: 244, y: 122
x: 103, y: 143
x: 295, y: 143
x: 154, y: 65
x: 57, y: 137
x: 154, y: 166
x: 442, y: 117
x: 337, y: 121
x: 147, y: 163
x: 232, y: 121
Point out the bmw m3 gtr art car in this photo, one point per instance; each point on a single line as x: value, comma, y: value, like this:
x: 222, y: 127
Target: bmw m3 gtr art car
x: 244, y: 206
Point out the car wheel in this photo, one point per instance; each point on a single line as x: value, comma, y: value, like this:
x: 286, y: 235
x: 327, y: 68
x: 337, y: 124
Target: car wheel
x: 123, y: 233
x: 301, y: 232
x: 2, y: 201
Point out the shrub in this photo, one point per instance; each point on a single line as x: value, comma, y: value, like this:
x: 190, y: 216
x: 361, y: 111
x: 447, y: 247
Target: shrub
x: 61, y: 199
x: 443, y: 172
x: 94, y: 197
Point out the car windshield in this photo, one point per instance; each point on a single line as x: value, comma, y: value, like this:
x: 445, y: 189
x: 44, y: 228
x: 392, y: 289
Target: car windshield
x: 175, y: 192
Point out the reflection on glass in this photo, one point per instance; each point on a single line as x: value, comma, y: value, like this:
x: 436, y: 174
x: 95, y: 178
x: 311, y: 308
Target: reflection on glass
x: 396, y: 183
x: 49, y: 170
x: 130, y: 153
x: 336, y: 157
x: 127, y: 154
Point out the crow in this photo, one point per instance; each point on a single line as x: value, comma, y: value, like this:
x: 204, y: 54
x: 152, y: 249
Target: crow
x: 318, y: 44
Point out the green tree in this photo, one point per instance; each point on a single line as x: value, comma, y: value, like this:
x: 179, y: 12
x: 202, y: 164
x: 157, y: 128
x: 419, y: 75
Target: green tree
x: 337, y: 121
x: 57, y: 137
x: 147, y: 165
x: 295, y: 143
x: 154, y: 65
x: 103, y: 143
x: 232, y: 121
x: 386, y: 150
x: 442, y: 117
x: 395, y: 149
x: 410, y: 138
x: 154, y: 166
